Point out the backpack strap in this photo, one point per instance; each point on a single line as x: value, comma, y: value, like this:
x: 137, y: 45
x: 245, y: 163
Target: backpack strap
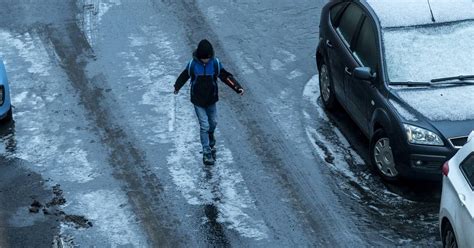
x: 217, y: 67
x: 191, y: 68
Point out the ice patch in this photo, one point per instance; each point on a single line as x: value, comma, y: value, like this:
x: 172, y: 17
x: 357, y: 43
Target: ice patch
x: 403, y: 112
x: 119, y: 227
x: 446, y: 103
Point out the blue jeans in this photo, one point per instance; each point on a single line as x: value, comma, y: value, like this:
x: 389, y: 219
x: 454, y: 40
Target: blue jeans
x: 207, y: 117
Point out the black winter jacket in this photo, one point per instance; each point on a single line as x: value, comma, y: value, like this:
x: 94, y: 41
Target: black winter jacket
x: 204, y: 90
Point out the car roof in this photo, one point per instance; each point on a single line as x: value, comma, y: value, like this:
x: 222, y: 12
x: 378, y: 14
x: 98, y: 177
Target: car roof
x: 402, y: 13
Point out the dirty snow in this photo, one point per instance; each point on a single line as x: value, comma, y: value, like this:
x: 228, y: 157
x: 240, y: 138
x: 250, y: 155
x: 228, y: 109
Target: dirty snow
x: 422, y: 54
x: 403, y: 112
x: 444, y: 103
x: 417, y: 12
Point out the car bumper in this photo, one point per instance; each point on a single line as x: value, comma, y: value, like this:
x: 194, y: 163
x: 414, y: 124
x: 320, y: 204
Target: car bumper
x: 422, y: 162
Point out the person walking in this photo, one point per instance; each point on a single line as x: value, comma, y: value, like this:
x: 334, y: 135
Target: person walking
x: 204, y: 70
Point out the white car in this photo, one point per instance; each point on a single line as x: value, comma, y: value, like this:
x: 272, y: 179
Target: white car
x: 457, y: 200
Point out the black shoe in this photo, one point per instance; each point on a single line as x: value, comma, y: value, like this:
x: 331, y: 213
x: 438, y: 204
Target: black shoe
x: 207, y: 159
x: 214, y: 152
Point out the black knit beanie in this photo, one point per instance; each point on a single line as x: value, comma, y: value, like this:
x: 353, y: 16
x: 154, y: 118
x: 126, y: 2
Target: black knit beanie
x: 204, y: 50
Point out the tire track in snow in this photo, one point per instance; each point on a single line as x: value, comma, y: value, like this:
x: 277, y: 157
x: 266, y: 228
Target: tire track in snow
x: 129, y: 163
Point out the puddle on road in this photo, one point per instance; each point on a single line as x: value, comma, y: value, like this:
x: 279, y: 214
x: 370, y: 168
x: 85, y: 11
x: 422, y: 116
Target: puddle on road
x: 410, y: 209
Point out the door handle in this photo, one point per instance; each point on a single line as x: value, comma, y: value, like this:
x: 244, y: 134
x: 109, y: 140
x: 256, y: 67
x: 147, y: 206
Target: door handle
x: 346, y: 70
x: 462, y: 198
x: 329, y: 44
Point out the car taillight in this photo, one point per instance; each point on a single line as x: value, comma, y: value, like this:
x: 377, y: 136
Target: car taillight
x: 446, y: 168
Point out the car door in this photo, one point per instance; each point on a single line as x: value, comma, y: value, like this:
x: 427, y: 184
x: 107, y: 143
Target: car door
x: 366, y: 54
x: 465, y: 213
x: 344, y: 28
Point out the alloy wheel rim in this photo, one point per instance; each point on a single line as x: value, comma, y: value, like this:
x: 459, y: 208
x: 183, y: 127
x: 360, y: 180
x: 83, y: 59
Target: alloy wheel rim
x: 384, y: 158
x: 325, y: 87
x: 450, y: 240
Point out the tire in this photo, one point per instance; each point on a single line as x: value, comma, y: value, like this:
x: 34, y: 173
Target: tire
x: 8, y: 117
x: 449, y: 238
x: 326, y: 87
x: 381, y: 156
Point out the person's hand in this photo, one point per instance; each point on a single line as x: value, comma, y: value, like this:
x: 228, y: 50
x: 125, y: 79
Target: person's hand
x: 176, y: 92
x: 241, y: 91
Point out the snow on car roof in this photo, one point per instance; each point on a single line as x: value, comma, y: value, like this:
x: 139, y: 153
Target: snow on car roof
x: 392, y: 13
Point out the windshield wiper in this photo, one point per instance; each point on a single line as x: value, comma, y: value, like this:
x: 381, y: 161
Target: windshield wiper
x: 460, y: 78
x: 410, y: 83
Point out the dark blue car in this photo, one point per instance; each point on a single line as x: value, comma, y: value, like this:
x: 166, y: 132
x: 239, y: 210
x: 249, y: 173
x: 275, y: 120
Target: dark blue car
x: 404, y: 72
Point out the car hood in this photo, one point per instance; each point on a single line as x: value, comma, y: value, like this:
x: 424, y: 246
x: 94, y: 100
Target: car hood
x: 448, y: 109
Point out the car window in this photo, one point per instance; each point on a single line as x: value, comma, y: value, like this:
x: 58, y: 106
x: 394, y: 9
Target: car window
x: 366, y: 45
x: 335, y: 11
x: 349, y: 22
x: 467, y: 168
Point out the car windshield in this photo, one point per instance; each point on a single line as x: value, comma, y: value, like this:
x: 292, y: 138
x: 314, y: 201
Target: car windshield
x: 422, y: 53
x: 467, y: 167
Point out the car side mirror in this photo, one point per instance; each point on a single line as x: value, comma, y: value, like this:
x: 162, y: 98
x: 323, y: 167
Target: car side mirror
x: 364, y: 73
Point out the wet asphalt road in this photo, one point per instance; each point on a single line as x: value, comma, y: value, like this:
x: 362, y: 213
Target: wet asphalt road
x: 100, y: 141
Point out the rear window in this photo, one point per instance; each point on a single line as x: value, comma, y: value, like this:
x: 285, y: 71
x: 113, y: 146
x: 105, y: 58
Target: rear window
x: 467, y: 168
x: 349, y: 21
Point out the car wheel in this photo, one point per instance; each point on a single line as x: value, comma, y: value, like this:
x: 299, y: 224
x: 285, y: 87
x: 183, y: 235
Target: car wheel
x: 326, y: 87
x: 8, y: 117
x: 449, y: 239
x: 381, y: 156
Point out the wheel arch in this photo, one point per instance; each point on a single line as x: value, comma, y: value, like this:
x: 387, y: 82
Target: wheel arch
x: 380, y: 120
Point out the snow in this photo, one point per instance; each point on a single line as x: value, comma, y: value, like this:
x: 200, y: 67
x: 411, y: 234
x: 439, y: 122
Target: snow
x: 403, y: 112
x: 338, y: 148
x: 445, y: 103
x: 111, y: 215
x: 417, y: 12
x: 452, y: 10
x: 276, y: 65
x: 422, y: 54
x: 294, y: 74
x: 33, y: 54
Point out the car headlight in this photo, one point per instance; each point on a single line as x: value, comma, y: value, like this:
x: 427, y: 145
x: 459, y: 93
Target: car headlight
x: 420, y: 136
